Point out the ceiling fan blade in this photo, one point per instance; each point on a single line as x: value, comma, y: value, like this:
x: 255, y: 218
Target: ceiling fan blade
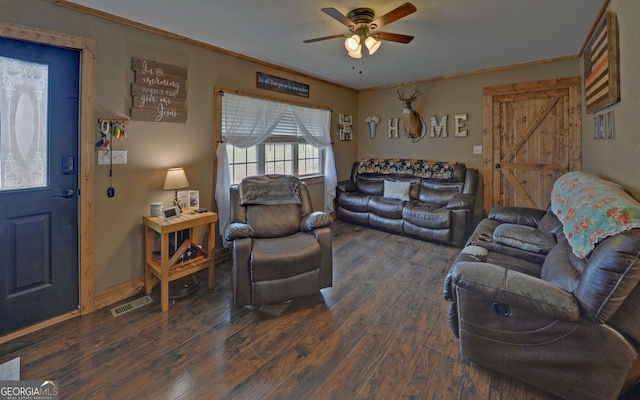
x: 338, y: 16
x: 394, y: 15
x: 393, y: 37
x: 323, y: 38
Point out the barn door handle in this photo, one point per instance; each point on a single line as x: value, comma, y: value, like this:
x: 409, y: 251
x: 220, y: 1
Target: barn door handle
x: 67, y: 194
x: 497, y: 166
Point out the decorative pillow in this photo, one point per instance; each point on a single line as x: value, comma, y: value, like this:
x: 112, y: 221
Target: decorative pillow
x: 397, y: 190
x: 414, y: 180
x: 524, y: 238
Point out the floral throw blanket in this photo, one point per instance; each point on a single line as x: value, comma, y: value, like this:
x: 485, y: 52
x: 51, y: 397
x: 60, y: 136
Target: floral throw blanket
x: 422, y: 168
x: 592, y: 209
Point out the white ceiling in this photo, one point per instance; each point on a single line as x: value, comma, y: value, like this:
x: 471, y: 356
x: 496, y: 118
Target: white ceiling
x: 451, y: 36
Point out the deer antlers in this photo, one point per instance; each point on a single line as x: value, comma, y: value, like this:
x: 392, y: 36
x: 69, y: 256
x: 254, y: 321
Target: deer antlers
x: 408, y: 100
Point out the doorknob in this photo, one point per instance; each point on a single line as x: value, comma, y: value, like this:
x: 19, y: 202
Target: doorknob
x: 67, y: 193
x: 497, y: 166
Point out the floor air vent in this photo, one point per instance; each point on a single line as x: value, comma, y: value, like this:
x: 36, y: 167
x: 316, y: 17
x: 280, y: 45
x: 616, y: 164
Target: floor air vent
x: 130, y: 306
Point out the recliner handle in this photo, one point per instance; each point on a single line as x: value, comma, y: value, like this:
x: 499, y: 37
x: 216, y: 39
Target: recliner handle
x: 501, y: 309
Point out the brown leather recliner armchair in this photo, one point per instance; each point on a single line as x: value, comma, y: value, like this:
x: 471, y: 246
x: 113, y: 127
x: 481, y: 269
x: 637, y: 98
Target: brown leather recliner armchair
x: 281, y: 250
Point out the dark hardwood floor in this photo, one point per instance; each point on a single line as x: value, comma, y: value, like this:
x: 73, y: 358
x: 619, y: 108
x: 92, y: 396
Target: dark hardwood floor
x: 380, y: 332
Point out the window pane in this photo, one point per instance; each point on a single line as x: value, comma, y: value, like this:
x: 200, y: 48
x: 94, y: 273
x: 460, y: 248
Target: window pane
x: 240, y: 162
x: 240, y: 155
x: 252, y: 154
x: 252, y: 169
x: 278, y: 158
x: 308, y: 160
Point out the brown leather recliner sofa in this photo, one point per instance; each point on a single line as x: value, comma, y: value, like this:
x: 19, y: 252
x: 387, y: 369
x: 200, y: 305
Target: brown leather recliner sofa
x: 549, y: 296
x: 424, y: 199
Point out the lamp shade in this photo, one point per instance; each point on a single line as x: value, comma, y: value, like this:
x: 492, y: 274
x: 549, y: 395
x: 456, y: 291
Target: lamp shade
x: 357, y: 53
x: 176, y: 179
x: 372, y: 44
x: 352, y: 43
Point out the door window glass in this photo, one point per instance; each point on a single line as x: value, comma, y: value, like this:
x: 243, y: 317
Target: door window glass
x: 23, y: 124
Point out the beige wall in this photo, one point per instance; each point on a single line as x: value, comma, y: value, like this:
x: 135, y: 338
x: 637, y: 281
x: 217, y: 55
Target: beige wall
x: 153, y: 147
x: 619, y: 159
x: 462, y: 95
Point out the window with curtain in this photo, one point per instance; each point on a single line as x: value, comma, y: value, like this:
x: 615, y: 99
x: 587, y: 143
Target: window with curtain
x: 264, y: 137
x: 284, y: 151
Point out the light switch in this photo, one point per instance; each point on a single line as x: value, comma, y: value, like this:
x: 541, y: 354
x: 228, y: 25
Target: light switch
x: 118, y: 157
x: 477, y: 149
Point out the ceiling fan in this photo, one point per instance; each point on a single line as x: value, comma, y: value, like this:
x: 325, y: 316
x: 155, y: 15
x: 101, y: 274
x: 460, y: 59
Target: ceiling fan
x: 364, y: 28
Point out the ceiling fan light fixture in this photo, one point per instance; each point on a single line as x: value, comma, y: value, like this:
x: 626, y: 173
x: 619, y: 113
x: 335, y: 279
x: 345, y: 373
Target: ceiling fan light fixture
x: 372, y: 44
x: 363, y: 28
x: 352, y: 43
x: 357, y: 53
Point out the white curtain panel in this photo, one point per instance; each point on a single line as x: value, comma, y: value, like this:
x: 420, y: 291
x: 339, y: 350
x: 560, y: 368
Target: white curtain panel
x: 250, y: 121
x: 315, y: 127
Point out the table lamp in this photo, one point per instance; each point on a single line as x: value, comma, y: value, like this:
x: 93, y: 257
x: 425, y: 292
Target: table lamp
x: 176, y: 179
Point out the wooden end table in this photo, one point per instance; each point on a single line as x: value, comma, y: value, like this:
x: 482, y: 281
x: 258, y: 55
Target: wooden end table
x: 166, y: 269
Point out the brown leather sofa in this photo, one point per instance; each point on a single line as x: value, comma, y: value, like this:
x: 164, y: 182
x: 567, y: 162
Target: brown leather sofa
x: 280, y: 251
x: 437, y: 206
x: 524, y: 304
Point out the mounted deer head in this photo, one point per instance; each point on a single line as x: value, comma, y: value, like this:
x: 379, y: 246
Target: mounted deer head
x: 413, y: 124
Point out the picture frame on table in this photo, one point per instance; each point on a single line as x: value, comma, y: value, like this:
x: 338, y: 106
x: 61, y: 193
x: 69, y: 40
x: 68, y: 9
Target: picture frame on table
x: 194, y: 199
x: 183, y: 199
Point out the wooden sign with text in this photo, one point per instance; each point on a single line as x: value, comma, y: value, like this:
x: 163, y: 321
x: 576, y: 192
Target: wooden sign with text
x: 159, y: 92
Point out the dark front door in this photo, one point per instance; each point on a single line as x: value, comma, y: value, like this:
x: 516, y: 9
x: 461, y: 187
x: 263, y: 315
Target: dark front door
x: 39, y: 114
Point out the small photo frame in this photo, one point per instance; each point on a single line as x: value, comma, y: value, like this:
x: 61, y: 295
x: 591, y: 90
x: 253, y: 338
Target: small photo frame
x: 609, y: 124
x: 598, y: 127
x: 345, y: 127
x: 194, y: 199
x: 183, y: 199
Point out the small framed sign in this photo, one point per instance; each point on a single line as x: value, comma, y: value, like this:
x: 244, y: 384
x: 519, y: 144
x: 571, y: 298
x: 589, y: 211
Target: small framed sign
x: 271, y: 82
